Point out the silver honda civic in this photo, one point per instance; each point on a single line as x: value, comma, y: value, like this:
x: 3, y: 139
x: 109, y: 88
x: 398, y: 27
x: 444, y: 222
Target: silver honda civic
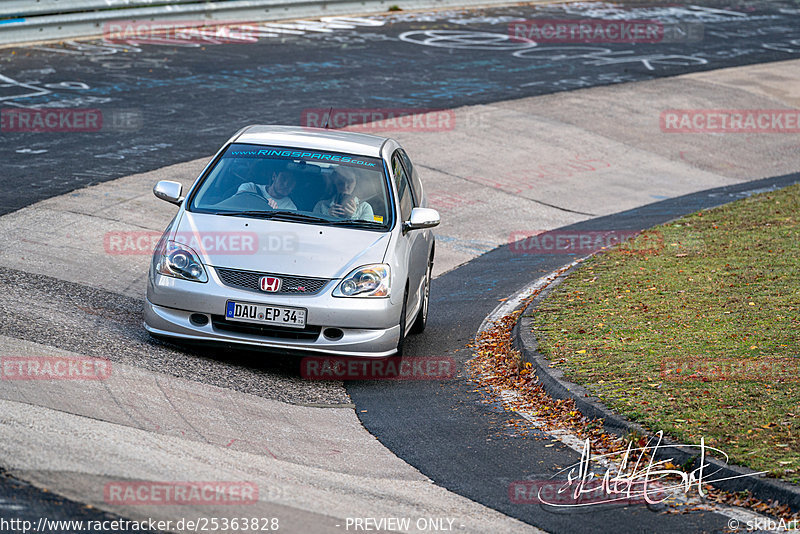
x: 296, y: 239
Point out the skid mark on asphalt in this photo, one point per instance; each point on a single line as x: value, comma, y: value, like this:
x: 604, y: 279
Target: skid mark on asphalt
x: 241, y: 33
x: 473, y: 64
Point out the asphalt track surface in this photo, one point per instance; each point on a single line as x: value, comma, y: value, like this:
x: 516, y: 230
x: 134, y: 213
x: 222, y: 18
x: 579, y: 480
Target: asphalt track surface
x: 453, y: 434
x: 23, y: 507
x: 185, y: 105
x: 176, y: 103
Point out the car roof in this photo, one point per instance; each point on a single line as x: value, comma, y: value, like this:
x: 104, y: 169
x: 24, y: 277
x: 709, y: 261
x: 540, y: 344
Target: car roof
x: 312, y: 138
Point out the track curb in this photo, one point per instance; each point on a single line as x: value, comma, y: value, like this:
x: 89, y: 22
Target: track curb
x: 734, y: 478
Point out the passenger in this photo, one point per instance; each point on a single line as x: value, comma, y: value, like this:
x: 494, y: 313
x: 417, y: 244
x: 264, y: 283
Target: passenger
x: 344, y: 204
x: 277, y: 194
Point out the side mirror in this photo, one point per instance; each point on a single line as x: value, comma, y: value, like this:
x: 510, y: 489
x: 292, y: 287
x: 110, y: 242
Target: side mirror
x: 421, y: 218
x: 169, y: 191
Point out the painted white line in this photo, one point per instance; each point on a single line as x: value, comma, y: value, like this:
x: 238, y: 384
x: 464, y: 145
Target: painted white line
x: 514, y: 301
x: 13, y: 507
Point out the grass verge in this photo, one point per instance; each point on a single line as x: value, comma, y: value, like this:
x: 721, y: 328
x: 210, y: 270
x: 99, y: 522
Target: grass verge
x: 698, y: 336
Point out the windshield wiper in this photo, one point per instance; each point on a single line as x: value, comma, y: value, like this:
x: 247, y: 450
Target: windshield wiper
x: 296, y: 216
x: 276, y: 214
x: 356, y: 223
x: 302, y: 217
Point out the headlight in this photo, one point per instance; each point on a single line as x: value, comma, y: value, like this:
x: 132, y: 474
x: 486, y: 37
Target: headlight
x: 179, y: 261
x: 366, y: 281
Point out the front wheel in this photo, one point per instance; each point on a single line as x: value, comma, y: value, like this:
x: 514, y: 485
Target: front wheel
x: 422, y: 316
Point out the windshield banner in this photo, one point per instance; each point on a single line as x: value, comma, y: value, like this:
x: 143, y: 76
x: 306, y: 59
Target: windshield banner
x: 251, y: 151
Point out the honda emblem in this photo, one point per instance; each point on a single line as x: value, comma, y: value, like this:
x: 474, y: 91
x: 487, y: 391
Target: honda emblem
x: 270, y: 284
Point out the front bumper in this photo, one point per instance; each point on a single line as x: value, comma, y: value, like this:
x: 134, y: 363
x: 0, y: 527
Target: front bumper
x: 369, y: 327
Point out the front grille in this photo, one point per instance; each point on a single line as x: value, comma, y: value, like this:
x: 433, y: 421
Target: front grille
x: 308, y: 333
x: 290, y: 285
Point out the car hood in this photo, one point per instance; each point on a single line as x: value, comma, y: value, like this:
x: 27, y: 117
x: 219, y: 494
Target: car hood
x: 279, y: 247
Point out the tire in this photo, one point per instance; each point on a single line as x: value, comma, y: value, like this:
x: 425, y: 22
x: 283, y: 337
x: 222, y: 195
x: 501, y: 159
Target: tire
x: 402, y: 340
x: 421, y: 320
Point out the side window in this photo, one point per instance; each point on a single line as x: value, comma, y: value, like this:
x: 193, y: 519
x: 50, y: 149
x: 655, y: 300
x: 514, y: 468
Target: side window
x: 403, y: 189
x: 416, y: 184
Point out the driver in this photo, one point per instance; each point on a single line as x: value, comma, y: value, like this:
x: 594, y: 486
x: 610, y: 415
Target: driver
x: 277, y: 194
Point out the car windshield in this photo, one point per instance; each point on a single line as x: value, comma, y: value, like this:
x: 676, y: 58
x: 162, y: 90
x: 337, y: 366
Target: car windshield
x: 298, y: 185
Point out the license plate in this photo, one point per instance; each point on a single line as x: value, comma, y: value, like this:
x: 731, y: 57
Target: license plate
x: 265, y: 314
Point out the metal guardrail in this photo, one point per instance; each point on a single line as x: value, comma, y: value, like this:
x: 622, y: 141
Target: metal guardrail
x: 29, y: 8
x: 25, y: 21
